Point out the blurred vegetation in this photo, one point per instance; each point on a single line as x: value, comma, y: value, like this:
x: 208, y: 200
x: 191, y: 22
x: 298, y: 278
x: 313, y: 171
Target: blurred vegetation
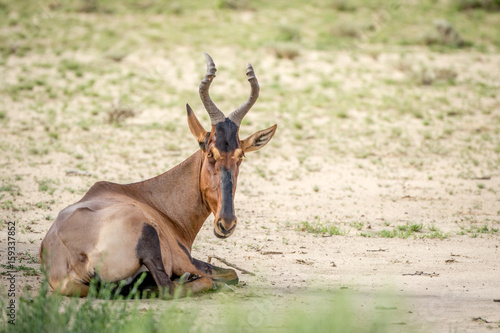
x: 104, y: 311
x: 29, y: 26
x: 373, y: 72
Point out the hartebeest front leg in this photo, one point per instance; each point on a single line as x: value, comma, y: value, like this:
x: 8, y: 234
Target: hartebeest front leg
x: 149, y: 253
x: 225, y: 275
x: 195, y: 266
x: 193, y: 285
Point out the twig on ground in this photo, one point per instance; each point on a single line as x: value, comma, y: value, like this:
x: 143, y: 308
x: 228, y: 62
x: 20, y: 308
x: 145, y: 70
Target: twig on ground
x: 224, y: 261
x: 420, y: 273
x: 271, y: 252
x: 483, y: 320
x: 304, y: 262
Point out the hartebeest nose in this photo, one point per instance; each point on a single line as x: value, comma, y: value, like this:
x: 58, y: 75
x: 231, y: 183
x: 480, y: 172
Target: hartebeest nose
x: 226, y: 225
x: 226, y: 221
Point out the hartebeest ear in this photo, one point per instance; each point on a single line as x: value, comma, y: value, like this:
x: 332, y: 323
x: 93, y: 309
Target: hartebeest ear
x: 196, y: 128
x: 258, y: 139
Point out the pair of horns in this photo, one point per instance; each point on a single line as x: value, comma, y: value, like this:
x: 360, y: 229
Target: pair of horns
x: 216, y: 115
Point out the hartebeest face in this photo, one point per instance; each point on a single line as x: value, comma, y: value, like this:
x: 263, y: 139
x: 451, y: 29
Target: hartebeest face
x: 224, y: 151
x: 219, y: 176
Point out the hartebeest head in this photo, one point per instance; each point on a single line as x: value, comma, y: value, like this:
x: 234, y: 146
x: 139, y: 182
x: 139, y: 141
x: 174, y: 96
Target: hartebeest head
x: 223, y: 150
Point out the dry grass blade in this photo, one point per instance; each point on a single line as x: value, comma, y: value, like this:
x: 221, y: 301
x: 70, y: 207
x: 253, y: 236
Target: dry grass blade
x: 244, y: 271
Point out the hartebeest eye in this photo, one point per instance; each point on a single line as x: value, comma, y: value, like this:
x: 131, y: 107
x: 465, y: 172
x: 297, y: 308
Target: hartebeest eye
x: 238, y: 155
x: 210, y: 157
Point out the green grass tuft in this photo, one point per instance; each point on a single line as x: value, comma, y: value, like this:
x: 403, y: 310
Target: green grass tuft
x: 319, y: 228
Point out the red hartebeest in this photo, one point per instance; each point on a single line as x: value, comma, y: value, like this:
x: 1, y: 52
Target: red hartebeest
x: 116, y: 231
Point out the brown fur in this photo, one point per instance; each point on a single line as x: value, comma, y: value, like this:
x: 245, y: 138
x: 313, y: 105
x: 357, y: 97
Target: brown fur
x: 101, y: 233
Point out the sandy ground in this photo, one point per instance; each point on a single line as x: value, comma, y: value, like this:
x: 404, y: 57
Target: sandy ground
x: 432, y: 284
x: 436, y: 285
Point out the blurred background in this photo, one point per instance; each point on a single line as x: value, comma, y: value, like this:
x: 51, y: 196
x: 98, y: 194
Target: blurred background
x: 330, y: 70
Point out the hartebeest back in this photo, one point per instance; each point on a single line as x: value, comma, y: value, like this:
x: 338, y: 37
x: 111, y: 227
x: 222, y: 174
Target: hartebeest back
x: 116, y: 231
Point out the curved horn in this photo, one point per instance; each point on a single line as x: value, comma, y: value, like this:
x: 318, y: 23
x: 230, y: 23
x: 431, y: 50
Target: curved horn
x: 237, y: 115
x: 216, y: 115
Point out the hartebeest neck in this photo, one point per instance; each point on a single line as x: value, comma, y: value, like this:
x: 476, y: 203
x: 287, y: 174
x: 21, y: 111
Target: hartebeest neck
x: 176, y: 195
